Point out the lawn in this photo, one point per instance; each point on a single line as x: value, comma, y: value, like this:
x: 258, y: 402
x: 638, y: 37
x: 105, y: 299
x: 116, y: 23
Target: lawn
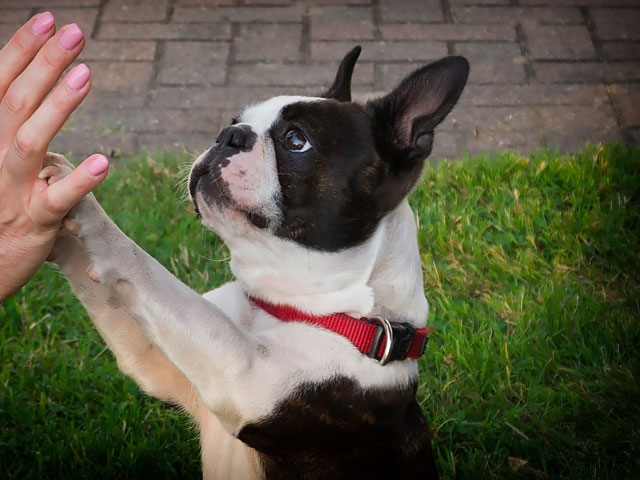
x: 532, y: 270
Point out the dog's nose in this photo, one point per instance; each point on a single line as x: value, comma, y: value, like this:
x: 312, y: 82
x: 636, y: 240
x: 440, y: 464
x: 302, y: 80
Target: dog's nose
x: 236, y: 136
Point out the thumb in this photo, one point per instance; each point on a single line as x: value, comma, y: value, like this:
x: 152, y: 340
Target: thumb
x: 66, y: 192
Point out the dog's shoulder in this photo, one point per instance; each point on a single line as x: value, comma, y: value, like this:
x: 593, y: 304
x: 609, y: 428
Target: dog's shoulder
x: 338, y: 429
x: 231, y: 299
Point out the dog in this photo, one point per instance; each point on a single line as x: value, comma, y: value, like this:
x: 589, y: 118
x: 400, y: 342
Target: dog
x: 310, y: 195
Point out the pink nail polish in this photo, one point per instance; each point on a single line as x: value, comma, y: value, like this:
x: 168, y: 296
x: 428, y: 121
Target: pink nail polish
x: 43, y: 23
x: 78, y: 77
x: 98, y: 165
x: 71, y: 37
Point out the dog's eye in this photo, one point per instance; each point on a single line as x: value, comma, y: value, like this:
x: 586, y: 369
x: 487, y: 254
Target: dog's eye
x: 295, y: 141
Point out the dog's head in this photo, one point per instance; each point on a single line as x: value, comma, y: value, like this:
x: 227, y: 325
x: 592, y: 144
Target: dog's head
x: 323, y: 171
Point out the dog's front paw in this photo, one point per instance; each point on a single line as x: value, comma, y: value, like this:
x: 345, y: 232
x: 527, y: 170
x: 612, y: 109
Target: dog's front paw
x: 85, y: 218
x: 86, y: 221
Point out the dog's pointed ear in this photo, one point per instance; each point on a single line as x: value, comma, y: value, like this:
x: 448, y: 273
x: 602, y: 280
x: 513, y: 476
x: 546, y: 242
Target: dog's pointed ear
x: 403, y: 120
x: 341, y: 88
x: 416, y: 106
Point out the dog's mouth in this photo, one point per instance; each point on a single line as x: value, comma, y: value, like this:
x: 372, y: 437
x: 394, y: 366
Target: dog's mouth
x: 214, y: 191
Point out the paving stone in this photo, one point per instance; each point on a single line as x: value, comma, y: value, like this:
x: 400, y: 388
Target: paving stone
x: 627, y: 101
x: 616, y: 24
x: 587, y: 72
x: 389, y: 75
x: 48, y: 3
x: 382, y: 51
x: 569, y: 128
x: 621, y: 50
x: 566, y: 101
x: 364, y: 93
x: 85, y: 18
x: 445, y: 144
x: 135, y: 11
x: 480, y: 2
x: 497, y: 141
x: 333, y: 2
x: 269, y: 2
x: 119, y: 84
x: 512, y: 15
x: 534, y: 94
x: 483, y: 119
x: 238, y: 14
x: 411, y: 11
x: 164, y: 31
x: 271, y: 74
x: 554, y: 42
x: 446, y: 32
x: 81, y: 145
x: 192, y: 143
x: 194, y: 63
x: 493, y: 62
x: 454, y: 143
x: 19, y: 15
x: 274, y: 42
x: 221, y: 98
x: 356, y: 30
x: 206, y: 2
x: 146, y: 120
x: 118, y: 50
x: 339, y: 23
x: 581, y: 3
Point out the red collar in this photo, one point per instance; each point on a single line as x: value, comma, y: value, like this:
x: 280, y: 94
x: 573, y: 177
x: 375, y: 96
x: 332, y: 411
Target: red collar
x: 369, y: 335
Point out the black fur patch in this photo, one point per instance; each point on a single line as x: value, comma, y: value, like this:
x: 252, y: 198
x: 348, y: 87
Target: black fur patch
x: 404, y: 120
x: 337, y: 430
x: 330, y: 193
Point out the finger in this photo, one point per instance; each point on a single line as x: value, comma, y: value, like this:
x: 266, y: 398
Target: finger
x: 25, y: 156
x: 23, y: 46
x: 61, y: 196
x: 27, y: 91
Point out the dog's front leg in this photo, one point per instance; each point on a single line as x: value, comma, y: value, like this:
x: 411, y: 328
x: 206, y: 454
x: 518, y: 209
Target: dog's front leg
x: 193, y: 334
x: 137, y: 357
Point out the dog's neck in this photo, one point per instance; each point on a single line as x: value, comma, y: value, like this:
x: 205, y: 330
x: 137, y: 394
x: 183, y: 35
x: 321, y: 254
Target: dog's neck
x: 381, y: 276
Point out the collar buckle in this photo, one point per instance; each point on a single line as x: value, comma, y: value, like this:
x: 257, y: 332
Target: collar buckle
x: 399, y: 337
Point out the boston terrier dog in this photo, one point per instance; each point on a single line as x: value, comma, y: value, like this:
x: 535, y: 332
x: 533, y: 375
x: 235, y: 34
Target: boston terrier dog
x: 304, y: 367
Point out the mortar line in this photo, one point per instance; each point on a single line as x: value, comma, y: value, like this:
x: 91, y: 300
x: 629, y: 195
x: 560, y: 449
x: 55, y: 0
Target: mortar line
x: 231, y: 56
x: 168, y: 15
x: 597, y: 45
x: 305, y: 36
x: 446, y: 11
x: 376, y: 16
x: 522, y: 41
x: 97, y: 24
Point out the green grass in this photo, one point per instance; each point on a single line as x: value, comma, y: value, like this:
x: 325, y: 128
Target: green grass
x: 532, y: 270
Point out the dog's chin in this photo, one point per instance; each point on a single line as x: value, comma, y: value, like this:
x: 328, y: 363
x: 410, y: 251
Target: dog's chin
x: 223, y: 215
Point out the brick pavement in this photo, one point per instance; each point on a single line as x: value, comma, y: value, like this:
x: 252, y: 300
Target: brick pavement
x: 168, y: 73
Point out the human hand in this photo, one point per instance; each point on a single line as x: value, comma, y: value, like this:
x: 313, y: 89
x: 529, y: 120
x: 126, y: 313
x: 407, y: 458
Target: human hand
x: 31, y: 211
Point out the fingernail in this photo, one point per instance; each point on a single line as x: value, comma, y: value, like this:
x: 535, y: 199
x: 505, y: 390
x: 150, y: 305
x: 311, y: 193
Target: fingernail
x: 43, y: 23
x: 98, y: 165
x: 71, y: 37
x: 78, y: 77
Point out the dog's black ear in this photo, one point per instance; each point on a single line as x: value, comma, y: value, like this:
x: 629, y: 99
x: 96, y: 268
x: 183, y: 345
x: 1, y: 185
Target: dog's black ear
x: 341, y: 88
x: 403, y: 120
